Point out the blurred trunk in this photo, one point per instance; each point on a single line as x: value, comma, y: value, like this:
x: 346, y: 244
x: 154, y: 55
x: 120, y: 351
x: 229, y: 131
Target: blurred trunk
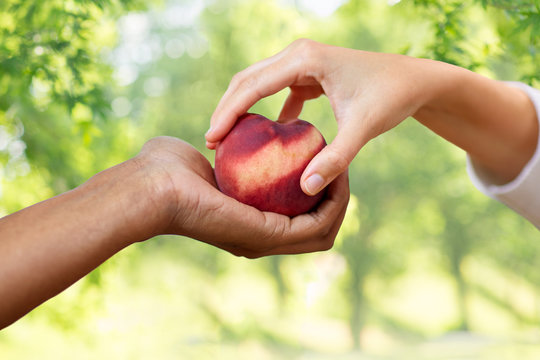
x: 462, y: 302
x: 360, y: 259
x: 461, y: 289
x: 457, y: 243
x: 277, y: 275
x: 357, y: 319
x: 537, y: 295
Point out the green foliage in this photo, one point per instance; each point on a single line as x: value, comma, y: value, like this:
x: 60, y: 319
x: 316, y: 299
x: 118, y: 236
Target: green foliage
x: 517, y: 22
x: 50, y: 54
x: 54, y: 82
x: 419, y: 250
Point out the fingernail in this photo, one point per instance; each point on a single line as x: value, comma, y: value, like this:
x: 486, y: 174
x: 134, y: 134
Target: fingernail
x: 314, y: 183
x: 208, y: 132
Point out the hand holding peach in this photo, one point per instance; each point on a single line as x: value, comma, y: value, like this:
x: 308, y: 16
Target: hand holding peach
x: 168, y: 188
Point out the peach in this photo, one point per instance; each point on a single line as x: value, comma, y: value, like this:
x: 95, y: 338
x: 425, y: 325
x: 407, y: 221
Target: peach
x: 260, y: 162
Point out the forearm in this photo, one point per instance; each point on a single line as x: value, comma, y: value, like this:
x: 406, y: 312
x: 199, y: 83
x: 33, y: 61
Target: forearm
x: 47, y: 247
x: 494, y: 123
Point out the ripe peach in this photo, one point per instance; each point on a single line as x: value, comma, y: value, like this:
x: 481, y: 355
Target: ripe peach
x: 260, y: 162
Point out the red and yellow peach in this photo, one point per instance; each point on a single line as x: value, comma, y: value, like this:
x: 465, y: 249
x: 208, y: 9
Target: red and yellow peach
x: 260, y: 163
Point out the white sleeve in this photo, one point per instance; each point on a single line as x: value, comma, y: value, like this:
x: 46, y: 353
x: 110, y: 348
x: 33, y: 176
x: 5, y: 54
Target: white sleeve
x: 523, y: 193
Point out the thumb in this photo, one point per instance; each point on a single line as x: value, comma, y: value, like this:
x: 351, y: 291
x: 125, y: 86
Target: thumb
x: 330, y: 162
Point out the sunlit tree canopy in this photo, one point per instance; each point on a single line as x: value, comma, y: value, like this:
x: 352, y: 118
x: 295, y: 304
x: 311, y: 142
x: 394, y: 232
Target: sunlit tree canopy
x: 422, y: 256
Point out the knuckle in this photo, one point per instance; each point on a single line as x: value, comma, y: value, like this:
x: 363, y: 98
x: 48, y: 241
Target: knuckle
x: 153, y: 145
x: 241, y: 252
x: 236, y: 252
x: 275, y: 232
x: 236, y: 80
x: 307, y: 50
x: 153, y: 141
x: 244, y: 81
x: 251, y: 256
x: 303, y: 44
x: 327, y: 244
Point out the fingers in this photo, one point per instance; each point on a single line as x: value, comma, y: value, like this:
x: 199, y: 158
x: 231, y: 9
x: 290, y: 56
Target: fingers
x: 262, y: 79
x: 292, y: 107
x: 244, y: 91
x: 309, y: 232
x: 295, y: 101
x: 336, y: 199
x: 325, y: 223
x: 335, y: 158
x: 322, y: 243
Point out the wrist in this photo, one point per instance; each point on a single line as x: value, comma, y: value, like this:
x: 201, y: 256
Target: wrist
x: 158, y: 191
x: 132, y: 198
x: 438, y: 82
x: 495, y: 124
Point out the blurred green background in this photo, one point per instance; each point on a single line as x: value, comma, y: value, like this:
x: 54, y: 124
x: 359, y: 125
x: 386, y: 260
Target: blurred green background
x: 424, y: 267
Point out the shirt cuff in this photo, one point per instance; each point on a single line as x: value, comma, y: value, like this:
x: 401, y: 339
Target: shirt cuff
x: 523, y: 193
